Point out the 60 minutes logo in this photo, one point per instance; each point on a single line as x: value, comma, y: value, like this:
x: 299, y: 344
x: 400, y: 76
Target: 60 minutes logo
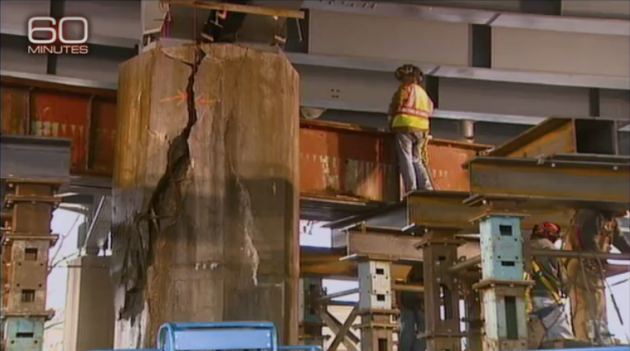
x: 56, y: 35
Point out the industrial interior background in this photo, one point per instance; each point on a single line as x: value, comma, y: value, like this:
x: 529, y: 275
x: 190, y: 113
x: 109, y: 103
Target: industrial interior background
x: 502, y: 65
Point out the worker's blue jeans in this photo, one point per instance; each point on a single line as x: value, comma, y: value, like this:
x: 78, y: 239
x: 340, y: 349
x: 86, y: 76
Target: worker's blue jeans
x: 413, y: 170
x: 411, y: 324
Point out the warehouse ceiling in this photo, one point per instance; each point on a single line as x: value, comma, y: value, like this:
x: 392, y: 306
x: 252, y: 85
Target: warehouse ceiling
x: 492, y: 61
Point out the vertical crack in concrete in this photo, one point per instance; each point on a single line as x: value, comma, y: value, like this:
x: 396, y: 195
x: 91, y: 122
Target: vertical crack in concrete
x: 166, y: 196
x: 245, y: 207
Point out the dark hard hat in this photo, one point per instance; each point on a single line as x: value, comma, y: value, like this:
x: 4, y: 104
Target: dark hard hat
x: 408, y: 71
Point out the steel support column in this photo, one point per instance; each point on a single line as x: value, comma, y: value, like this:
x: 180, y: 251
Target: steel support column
x: 472, y: 308
x: 378, y: 318
x: 502, y: 285
x: 310, y: 332
x: 26, y: 245
x: 441, y: 290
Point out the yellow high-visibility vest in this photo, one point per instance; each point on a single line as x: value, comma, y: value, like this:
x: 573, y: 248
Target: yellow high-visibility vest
x: 415, y: 110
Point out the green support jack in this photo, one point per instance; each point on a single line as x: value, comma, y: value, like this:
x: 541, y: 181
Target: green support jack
x: 23, y: 334
x: 503, y: 288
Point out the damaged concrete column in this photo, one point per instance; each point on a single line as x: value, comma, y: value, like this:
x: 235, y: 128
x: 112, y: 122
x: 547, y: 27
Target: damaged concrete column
x: 206, y: 193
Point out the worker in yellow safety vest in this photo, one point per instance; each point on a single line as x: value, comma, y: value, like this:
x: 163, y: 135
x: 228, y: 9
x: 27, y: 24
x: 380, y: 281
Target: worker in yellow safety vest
x: 546, y: 300
x: 409, y: 114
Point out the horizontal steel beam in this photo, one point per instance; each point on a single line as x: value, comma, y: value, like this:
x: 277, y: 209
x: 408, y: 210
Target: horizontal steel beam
x: 351, y: 168
x: 375, y: 241
x: 581, y: 254
x: 389, y: 216
x: 437, y: 70
x: 326, y: 104
x: 562, y: 136
x: 438, y: 113
x: 338, y: 294
x: 330, y: 209
x: 552, y: 136
x: 387, y: 243
x: 447, y: 209
x: 54, y: 79
x: 34, y: 157
x: 482, y: 17
x: 97, y: 39
x: 611, y: 269
x: 563, y: 182
x: 335, y: 104
x: 254, y: 10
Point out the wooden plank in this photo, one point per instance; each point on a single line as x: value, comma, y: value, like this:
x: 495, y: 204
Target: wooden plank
x: 197, y: 179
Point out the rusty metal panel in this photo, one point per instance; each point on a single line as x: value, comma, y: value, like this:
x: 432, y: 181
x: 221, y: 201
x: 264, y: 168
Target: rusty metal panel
x: 86, y: 116
x: 446, y: 158
x: 102, y: 136
x: 343, y: 160
x: 14, y: 110
x: 62, y: 115
x: 554, y: 135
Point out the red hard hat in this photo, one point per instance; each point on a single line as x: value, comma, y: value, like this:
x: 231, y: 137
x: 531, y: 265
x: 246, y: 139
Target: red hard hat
x: 548, y: 230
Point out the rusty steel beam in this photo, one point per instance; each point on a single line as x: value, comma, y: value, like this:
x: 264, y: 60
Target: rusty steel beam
x: 339, y: 162
x: 564, y: 182
x: 562, y: 135
x: 327, y: 262
x: 554, y: 135
x: 401, y: 247
x: 446, y: 209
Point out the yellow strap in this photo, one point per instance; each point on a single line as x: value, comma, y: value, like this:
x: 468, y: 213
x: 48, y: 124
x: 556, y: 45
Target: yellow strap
x: 528, y: 301
x: 546, y: 282
x: 424, y: 151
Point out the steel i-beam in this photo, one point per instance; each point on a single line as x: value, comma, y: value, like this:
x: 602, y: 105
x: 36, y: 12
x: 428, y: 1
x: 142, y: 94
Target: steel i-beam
x: 27, y: 243
x: 569, y: 180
